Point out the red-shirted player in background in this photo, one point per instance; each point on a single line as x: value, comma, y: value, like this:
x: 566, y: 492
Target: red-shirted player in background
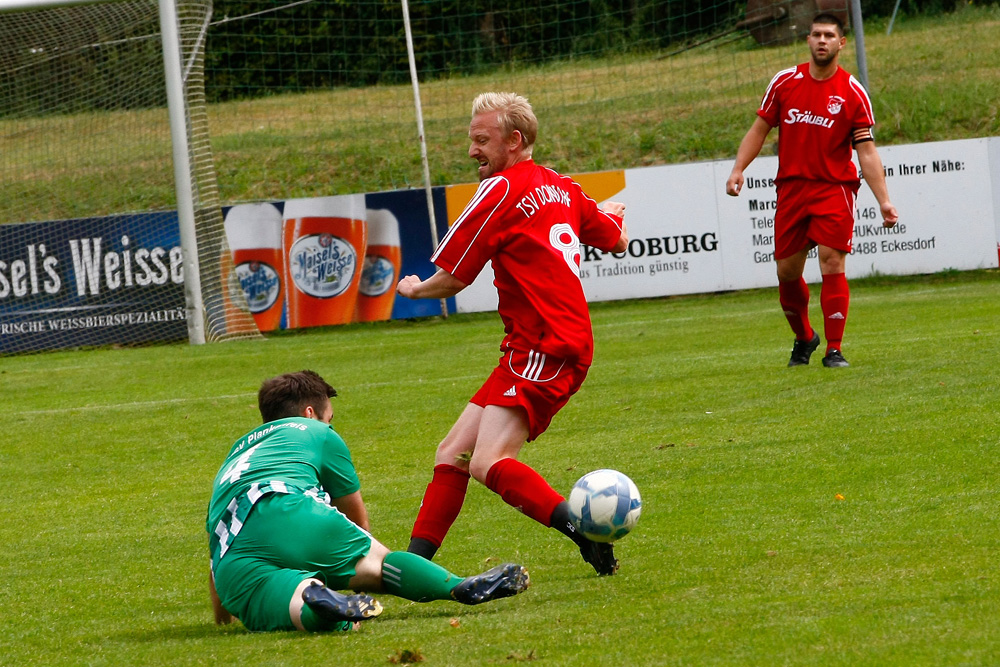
x: 530, y: 221
x: 823, y: 111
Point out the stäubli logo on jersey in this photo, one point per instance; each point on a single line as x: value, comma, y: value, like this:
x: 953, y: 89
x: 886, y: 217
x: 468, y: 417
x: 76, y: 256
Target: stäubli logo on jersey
x: 807, y: 117
x: 323, y: 265
x: 261, y: 285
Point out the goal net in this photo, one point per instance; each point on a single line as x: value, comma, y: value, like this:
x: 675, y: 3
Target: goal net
x: 313, y: 97
x: 90, y: 247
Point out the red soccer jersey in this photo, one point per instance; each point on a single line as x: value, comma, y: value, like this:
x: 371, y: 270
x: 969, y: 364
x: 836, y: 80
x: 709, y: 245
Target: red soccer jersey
x: 530, y: 221
x: 817, y: 119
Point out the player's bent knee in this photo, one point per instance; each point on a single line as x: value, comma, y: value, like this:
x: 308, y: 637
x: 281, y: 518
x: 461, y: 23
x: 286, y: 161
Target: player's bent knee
x: 479, y: 467
x: 368, y: 569
x: 295, y: 604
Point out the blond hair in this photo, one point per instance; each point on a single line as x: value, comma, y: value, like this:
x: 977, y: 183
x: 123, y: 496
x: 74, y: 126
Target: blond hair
x: 514, y: 113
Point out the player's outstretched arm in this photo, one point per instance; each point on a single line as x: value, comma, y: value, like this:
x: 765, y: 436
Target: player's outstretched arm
x: 614, y: 208
x: 439, y: 286
x: 617, y: 209
x: 749, y: 149
x: 622, y: 244
x: 874, y: 174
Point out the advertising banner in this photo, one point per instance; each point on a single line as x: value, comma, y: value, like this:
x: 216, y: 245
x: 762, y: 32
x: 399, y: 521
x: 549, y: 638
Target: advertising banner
x: 941, y: 190
x: 673, y: 237
x: 331, y: 260
x: 91, y: 281
x: 334, y: 260
x: 688, y: 236
x: 993, y: 146
x: 672, y: 228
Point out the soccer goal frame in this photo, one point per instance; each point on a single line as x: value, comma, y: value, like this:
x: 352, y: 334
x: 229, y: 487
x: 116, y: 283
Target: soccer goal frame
x: 178, y: 113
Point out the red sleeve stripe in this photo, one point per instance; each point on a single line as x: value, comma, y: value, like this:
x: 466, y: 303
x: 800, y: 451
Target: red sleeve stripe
x: 772, y: 88
x: 485, y: 188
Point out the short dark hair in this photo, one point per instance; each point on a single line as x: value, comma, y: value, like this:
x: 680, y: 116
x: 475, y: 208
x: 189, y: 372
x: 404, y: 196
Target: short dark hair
x: 826, y: 18
x: 289, y: 394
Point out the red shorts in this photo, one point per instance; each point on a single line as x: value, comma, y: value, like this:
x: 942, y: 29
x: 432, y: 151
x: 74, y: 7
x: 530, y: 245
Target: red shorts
x: 812, y: 213
x: 537, y: 382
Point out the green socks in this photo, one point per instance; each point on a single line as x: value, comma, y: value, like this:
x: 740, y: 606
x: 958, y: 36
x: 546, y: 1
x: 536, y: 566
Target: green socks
x: 415, y: 578
x: 313, y: 622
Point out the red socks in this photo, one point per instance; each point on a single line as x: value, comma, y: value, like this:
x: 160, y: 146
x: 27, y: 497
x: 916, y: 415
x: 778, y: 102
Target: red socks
x: 834, y: 299
x: 441, y: 504
x: 524, y: 489
x: 518, y: 485
x: 794, y: 298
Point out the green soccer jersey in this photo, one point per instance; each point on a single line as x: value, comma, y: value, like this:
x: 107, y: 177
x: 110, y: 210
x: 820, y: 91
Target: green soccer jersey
x: 295, y: 455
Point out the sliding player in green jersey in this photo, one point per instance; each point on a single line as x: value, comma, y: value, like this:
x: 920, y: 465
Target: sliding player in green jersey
x: 288, y: 527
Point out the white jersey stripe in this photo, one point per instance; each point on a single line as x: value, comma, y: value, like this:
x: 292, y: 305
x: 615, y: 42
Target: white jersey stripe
x: 481, y: 192
x: 254, y: 493
x: 776, y: 82
x: 526, y: 371
x: 223, y: 532
x: 485, y: 188
x: 866, y: 101
x: 541, y: 366
x: 535, y: 365
x: 848, y: 199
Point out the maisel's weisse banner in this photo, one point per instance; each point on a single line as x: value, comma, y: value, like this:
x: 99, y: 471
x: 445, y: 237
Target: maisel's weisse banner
x: 335, y: 260
x: 91, y: 281
x: 299, y: 263
x: 331, y: 260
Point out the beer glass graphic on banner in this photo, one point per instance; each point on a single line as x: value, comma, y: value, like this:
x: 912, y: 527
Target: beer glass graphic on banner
x: 254, y: 234
x: 383, y: 258
x: 324, y: 240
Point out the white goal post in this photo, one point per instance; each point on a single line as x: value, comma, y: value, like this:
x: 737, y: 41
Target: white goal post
x: 212, y: 309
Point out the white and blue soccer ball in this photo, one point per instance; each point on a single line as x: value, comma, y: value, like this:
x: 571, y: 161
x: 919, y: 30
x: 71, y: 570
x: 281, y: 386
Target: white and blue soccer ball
x: 604, y: 505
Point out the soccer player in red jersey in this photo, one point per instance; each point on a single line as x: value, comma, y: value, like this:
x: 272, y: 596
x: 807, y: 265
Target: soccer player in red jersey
x: 823, y: 112
x: 529, y: 221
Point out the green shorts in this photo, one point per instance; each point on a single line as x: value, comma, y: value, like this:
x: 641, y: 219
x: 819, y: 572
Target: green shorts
x: 286, y: 538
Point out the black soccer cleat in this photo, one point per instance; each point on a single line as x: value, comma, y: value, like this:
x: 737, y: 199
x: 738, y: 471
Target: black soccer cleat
x: 802, y: 350
x: 501, y: 581
x: 333, y: 606
x: 834, y: 359
x: 601, y: 555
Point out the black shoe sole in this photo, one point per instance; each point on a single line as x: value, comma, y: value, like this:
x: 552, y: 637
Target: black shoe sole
x: 334, y: 606
x: 502, y: 581
x: 605, y: 564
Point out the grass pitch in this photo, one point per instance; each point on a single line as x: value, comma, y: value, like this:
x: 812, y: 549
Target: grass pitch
x: 803, y: 516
